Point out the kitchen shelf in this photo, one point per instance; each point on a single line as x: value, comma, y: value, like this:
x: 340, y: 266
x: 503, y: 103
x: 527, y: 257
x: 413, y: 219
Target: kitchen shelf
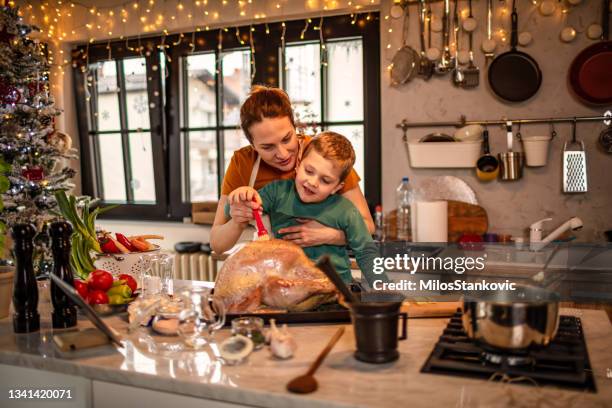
x: 404, y: 125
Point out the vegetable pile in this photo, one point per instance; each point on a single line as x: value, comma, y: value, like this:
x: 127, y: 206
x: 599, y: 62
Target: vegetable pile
x: 102, y: 288
x: 85, y: 241
x: 125, y: 245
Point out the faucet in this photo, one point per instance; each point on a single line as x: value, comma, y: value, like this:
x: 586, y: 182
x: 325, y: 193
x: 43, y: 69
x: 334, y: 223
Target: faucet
x: 536, y: 242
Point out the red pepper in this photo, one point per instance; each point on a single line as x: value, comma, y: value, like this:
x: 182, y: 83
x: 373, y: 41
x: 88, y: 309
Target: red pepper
x: 108, y: 246
x: 123, y: 240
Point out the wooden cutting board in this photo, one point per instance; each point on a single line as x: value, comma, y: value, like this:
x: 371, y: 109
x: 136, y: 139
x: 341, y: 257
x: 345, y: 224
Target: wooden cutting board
x: 463, y: 218
x: 430, y: 309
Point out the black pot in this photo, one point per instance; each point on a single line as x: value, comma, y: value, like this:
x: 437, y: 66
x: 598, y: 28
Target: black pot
x: 375, y: 325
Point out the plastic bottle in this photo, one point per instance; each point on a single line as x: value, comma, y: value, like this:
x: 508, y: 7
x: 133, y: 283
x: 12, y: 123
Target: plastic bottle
x: 404, y: 200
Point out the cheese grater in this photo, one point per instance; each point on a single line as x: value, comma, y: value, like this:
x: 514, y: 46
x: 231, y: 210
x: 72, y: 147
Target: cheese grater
x: 574, y: 169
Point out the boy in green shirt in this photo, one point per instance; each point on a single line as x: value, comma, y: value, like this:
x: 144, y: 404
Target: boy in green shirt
x: 326, y: 162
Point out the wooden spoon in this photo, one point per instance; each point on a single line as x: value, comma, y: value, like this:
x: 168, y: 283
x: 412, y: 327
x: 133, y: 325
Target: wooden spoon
x: 305, y: 384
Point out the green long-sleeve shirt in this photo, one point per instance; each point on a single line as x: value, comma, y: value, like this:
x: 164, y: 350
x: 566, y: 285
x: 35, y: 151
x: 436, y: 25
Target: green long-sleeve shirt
x: 281, y: 201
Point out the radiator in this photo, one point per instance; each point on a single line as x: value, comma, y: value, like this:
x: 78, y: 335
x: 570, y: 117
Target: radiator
x: 196, y: 266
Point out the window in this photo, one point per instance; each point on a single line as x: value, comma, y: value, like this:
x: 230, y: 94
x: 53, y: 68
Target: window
x: 208, y: 116
x: 162, y: 116
x: 327, y: 93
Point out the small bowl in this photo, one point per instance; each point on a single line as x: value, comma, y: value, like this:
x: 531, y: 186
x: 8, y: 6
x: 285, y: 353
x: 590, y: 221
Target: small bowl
x: 470, y: 133
x: 436, y: 138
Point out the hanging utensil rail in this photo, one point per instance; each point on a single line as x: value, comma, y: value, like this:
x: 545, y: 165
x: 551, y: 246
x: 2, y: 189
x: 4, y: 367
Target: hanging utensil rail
x: 405, y: 125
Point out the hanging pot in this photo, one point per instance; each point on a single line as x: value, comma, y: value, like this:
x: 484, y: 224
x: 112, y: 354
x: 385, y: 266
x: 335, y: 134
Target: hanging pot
x: 487, y: 166
x: 590, y: 75
x: 514, y: 75
x: 511, y: 163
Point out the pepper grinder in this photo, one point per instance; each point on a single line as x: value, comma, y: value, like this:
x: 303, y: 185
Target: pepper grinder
x: 25, y: 291
x: 64, y: 312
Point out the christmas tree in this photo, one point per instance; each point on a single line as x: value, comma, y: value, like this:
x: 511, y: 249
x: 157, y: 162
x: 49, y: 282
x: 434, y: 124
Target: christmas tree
x: 33, y: 155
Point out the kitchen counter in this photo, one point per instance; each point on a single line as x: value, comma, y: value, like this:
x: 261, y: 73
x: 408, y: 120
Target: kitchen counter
x: 261, y: 380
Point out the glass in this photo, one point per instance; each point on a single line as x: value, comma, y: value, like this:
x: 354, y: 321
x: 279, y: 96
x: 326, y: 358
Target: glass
x: 233, y: 140
x: 111, y: 164
x: 201, y: 317
x: 355, y: 134
x: 137, y: 98
x: 199, y: 86
x: 302, y: 80
x: 236, y: 81
x: 107, y: 96
x: 251, y: 327
x: 157, y: 273
x: 202, y: 148
x: 344, y: 90
x: 141, y: 158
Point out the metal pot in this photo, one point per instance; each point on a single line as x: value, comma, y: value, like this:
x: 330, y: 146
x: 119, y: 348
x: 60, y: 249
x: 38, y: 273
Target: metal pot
x: 510, y: 163
x: 512, y: 320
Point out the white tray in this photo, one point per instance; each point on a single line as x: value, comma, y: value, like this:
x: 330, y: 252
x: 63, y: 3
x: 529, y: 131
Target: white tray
x: 444, y: 154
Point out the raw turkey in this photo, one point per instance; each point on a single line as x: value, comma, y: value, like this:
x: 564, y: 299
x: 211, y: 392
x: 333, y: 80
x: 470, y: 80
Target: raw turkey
x: 273, y: 274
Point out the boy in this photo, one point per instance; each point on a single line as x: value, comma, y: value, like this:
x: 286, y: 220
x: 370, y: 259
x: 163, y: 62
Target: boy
x: 326, y: 162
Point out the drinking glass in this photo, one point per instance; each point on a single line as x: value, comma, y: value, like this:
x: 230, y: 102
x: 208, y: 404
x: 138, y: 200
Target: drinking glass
x: 157, y: 274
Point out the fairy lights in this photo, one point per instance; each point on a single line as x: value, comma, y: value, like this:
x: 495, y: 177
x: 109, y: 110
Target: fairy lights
x: 63, y: 21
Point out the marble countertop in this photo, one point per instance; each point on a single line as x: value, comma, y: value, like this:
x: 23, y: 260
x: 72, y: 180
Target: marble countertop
x: 343, y: 381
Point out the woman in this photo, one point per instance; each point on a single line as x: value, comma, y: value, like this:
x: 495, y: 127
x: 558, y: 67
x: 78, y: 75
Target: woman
x: 275, y: 149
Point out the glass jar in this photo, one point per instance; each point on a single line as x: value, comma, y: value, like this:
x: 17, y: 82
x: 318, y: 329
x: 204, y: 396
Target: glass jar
x: 251, y: 327
x: 200, y: 318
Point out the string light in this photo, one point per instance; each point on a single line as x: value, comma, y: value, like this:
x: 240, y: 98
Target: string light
x: 305, y: 29
x: 238, y: 36
x: 102, y: 22
x: 252, y: 45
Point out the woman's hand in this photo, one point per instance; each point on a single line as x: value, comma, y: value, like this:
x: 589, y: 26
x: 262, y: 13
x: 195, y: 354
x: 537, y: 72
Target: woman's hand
x: 312, y: 233
x: 242, y: 202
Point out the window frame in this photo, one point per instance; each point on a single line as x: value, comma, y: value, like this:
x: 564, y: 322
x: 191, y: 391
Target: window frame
x: 165, y: 120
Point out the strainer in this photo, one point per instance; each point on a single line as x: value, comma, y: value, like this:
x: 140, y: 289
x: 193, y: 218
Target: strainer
x: 132, y: 263
x: 406, y: 61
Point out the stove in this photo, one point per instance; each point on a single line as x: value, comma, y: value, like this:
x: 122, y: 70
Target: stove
x: 563, y: 363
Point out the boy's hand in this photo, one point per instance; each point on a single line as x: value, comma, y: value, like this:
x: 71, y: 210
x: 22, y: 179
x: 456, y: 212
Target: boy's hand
x: 312, y: 233
x: 245, y: 195
x: 242, y: 205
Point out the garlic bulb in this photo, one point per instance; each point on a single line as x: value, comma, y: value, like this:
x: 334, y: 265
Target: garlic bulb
x: 282, y: 343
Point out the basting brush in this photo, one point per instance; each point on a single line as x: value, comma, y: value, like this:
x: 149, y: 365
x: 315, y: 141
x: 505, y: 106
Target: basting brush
x: 262, y: 233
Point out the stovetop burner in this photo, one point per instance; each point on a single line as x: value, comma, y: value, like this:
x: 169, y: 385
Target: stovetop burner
x: 563, y: 363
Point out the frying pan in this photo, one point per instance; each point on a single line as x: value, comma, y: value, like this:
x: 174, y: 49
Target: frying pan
x: 514, y: 75
x: 590, y: 75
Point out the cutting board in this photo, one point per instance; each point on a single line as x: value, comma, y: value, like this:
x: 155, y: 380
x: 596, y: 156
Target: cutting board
x: 430, y: 309
x: 463, y: 218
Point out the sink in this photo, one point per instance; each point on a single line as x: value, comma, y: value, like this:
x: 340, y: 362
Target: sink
x: 586, y: 256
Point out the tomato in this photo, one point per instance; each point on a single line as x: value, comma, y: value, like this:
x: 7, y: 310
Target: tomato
x: 97, y: 297
x: 130, y: 281
x: 100, y: 280
x: 82, y: 288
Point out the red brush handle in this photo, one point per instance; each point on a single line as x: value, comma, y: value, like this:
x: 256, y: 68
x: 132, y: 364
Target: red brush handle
x: 261, y: 229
